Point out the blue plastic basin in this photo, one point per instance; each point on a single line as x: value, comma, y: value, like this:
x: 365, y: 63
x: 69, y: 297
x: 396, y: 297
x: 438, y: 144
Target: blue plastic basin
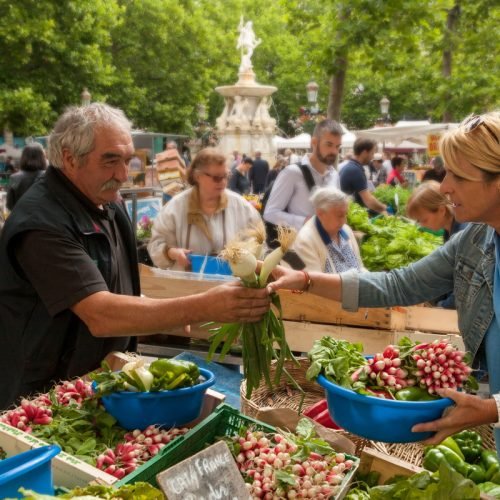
x: 31, y: 470
x: 380, y: 419
x: 213, y: 265
x: 137, y: 410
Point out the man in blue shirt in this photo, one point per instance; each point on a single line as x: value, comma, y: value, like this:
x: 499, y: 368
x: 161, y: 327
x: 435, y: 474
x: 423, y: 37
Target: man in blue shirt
x: 353, y: 179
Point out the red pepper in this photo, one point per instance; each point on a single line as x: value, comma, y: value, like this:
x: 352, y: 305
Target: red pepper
x: 316, y: 409
x: 325, y: 419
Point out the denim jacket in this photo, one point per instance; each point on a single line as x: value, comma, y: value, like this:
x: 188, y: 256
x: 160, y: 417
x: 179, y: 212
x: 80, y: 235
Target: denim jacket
x: 465, y: 264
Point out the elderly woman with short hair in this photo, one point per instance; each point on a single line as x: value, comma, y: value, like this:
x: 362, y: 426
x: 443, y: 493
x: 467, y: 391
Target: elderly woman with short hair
x: 325, y: 243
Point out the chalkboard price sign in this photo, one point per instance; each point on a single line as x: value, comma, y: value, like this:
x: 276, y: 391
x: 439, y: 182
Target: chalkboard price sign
x: 211, y: 474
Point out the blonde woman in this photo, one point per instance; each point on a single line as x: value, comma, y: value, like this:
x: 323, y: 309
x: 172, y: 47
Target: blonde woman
x: 201, y: 219
x: 325, y: 242
x: 468, y: 264
x: 433, y: 210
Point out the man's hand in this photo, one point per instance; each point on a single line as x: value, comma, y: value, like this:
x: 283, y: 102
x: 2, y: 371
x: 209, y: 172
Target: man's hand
x: 470, y: 411
x: 235, y: 303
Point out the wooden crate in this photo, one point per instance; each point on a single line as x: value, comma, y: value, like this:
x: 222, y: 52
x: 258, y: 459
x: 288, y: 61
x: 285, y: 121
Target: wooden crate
x: 387, y: 466
x: 157, y: 283
x: 432, y: 319
x: 309, y: 307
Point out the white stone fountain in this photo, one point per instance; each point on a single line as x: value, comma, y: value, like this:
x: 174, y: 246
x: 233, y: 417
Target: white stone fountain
x: 245, y: 124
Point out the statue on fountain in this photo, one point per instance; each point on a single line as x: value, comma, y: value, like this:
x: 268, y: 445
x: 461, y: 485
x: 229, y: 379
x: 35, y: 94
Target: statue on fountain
x: 246, y: 43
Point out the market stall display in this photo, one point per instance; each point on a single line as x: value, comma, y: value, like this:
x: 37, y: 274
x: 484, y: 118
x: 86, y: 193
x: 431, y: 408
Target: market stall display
x: 249, y: 440
x: 94, y: 446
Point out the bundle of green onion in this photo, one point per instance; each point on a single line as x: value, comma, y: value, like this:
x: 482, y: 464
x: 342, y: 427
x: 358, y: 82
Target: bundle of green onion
x: 264, y: 340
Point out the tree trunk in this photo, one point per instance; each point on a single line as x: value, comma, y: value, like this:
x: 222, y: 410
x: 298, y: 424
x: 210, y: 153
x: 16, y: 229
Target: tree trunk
x: 337, y: 87
x: 451, y: 26
x: 339, y: 68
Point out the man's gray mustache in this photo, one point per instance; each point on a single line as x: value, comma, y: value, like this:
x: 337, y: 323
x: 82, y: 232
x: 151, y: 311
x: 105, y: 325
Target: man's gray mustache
x: 111, y: 184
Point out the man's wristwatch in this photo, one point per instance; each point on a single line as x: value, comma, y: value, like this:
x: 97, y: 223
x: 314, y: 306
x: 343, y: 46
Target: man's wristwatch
x: 496, y: 397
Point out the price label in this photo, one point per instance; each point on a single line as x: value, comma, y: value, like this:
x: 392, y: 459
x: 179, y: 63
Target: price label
x: 211, y: 474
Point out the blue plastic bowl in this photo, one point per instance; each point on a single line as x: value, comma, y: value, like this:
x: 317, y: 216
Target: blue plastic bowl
x: 380, y: 419
x: 137, y: 410
x: 213, y: 265
x: 31, y: 470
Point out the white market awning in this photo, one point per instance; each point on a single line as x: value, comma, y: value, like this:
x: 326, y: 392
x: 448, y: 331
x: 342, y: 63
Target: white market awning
x: 404, y: 130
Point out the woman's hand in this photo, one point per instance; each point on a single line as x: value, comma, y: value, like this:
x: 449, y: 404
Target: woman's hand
x: 287, y: 279
x: 179, y: 255
x: 470, y: 411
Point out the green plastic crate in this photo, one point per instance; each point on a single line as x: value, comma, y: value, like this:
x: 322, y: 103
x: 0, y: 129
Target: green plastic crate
x: 224, y: 421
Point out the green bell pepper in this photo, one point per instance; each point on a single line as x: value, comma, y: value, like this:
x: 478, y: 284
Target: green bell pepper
x: 476, y: 473
x: 490, y: 463
x: 495, y: 478
x: 450, y: 443
x: 454, y: 460
x: 433, y: 458
x: 172, y: 373
x: 414, y: 394
x: 471, y: 444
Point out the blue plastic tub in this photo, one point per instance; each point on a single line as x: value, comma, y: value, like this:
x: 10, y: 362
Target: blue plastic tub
x: 380, y: 419
x: 209, y: 265
x: 31, y: 470
x: 137, y: 410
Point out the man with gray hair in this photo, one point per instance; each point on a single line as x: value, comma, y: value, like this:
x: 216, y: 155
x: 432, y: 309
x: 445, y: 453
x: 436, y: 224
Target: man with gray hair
x: 69, y: 279
x: 289, y: 199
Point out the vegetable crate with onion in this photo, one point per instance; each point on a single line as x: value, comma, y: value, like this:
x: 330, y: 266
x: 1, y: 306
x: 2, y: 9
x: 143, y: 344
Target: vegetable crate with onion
x: 230, y: 425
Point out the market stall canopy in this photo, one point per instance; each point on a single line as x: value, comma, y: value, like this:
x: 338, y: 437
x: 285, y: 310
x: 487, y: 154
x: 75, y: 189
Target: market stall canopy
x: 8, y: 150
x: 406, y: 147
x: 303, y: 141
x: 405, y: 130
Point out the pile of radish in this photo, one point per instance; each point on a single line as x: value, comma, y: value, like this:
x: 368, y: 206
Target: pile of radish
x: 431, y: 366
x: 72, y: 417
x: 408, y: 371
x: 138, y: 447
x: 285, y: 465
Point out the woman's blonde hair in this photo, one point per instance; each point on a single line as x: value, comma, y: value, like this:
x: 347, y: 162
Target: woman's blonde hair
x: 427, y: 196
x: 204, y: 158
x: 476, y: 140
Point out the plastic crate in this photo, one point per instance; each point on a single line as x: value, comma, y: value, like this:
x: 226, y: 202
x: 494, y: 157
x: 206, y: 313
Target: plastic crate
x: 224, y: 421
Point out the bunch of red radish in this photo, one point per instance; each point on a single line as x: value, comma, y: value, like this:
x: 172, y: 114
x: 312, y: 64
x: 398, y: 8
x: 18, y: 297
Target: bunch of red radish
x: 384, y: 369
x: 439, y: 365
x: 139, y: 447
x: 263, y: 460
x: 433, y: 365
x: 29, y: 413
x: 74, y: 392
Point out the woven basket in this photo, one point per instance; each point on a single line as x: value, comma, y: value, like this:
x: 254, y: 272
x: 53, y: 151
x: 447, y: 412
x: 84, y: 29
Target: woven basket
x: 414, y: 452
x: 287, y: 396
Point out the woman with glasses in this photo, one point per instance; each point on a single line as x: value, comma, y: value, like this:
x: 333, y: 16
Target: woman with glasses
x: 201, y: 219
x: 468, y: 264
